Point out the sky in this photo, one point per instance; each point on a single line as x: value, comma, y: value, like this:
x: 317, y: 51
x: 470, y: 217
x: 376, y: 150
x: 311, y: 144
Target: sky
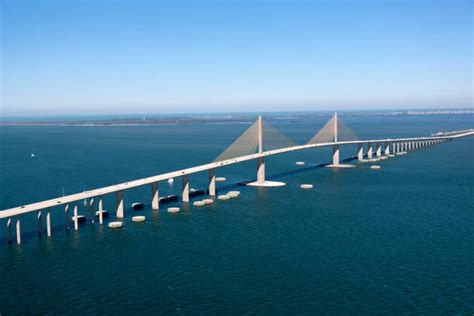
x: 130, y: 57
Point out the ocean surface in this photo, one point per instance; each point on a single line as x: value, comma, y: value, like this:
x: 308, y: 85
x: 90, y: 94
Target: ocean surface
x: 399, y: 240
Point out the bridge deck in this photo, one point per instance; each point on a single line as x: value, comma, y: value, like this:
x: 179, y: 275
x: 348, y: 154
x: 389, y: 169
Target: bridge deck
x: 213, y: 165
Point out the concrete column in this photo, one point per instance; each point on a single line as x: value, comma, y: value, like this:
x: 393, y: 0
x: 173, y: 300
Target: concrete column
x: 66, y: 212
x: 335, y: 155
x: 261, y: 161
x: 76, y: 223
x: 48, y: 222
x: 9, y: 229
x: 394, y: 148
x: 185, y: 189
x: 212, y: 182
x: 387, y: 149
x: 100, y: 209
x: 18, y: 230
x: 360, y: 152
x: 119, y: 203
x: 261, y: 170
x: 370, y: 150
x: 155, y: 205
x: 91, y: 209
x: 379, y: 150
x: 40, y: 226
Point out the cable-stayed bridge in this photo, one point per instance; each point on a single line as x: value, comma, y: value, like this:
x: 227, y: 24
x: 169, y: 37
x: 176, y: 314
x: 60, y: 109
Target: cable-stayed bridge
x: 259, y: 141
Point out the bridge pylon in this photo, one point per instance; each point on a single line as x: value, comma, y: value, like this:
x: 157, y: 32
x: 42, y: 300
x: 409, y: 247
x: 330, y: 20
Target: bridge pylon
x: 334, y: 131
x: 257, y: 139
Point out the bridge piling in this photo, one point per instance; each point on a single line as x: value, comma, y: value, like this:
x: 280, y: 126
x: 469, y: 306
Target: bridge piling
x: 370, y: 151
x: 76, y: 223
x: 100, y: 209
x: 66, y: 212
x: 387, y: 149
x: 379, y: 150
x: 18, y: 230
x: 9, y: 229
x: 185, y: 191
x: 212, y: 182
x: 91, y: 210
x: 155, y: 205
x: 48, y: 222
x: 40, y: 228
x: 261, y: 170
x: 335, y: 155
x: 119, y: 202
x: 360, y: 152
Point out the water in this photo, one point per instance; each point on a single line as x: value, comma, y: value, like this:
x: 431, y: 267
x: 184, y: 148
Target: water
x: 395, y: 241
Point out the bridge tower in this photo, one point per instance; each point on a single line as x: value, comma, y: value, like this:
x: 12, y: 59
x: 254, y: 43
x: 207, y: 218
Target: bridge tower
x: 261, y: 160
x: 333, y: 132
x: 335, y: 148
x: 257, y: 139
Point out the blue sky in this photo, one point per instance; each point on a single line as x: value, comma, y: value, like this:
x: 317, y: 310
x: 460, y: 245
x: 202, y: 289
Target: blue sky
x: 105, y: 57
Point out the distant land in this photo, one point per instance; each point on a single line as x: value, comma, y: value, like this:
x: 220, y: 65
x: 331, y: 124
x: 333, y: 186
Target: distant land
x: 182, y: 119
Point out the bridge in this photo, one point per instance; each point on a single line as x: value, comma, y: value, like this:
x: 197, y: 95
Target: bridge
x: 259, y: 141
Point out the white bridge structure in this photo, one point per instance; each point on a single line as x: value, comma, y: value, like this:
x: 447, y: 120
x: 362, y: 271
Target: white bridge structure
x: 249, y: 146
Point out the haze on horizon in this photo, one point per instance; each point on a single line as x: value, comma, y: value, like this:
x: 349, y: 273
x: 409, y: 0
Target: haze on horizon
x: 101, y: 57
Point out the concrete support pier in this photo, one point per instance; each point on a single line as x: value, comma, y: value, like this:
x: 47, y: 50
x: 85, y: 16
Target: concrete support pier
x: 387, y: 149
x: 261, y: 170
x: 379, y: 150
x: 66, y: 212
x: 9, y: 229
x: 360, y: 152
x: 76, y: 222
x: 335, y: 155
x: 40, y: 226
x: 212, y: 182
x: 91, y: 211
x: 100, y: 209
x: 48, y: 222
x: 185, y: 192
x: 18, y: 230
x: 155, y: 205
x: 119, y: 202
x: 370, y: 151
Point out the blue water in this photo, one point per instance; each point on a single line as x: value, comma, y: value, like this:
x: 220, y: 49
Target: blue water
x: 393, y: 241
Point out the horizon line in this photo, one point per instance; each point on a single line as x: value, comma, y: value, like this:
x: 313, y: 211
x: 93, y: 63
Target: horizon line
x: 384, y: 109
